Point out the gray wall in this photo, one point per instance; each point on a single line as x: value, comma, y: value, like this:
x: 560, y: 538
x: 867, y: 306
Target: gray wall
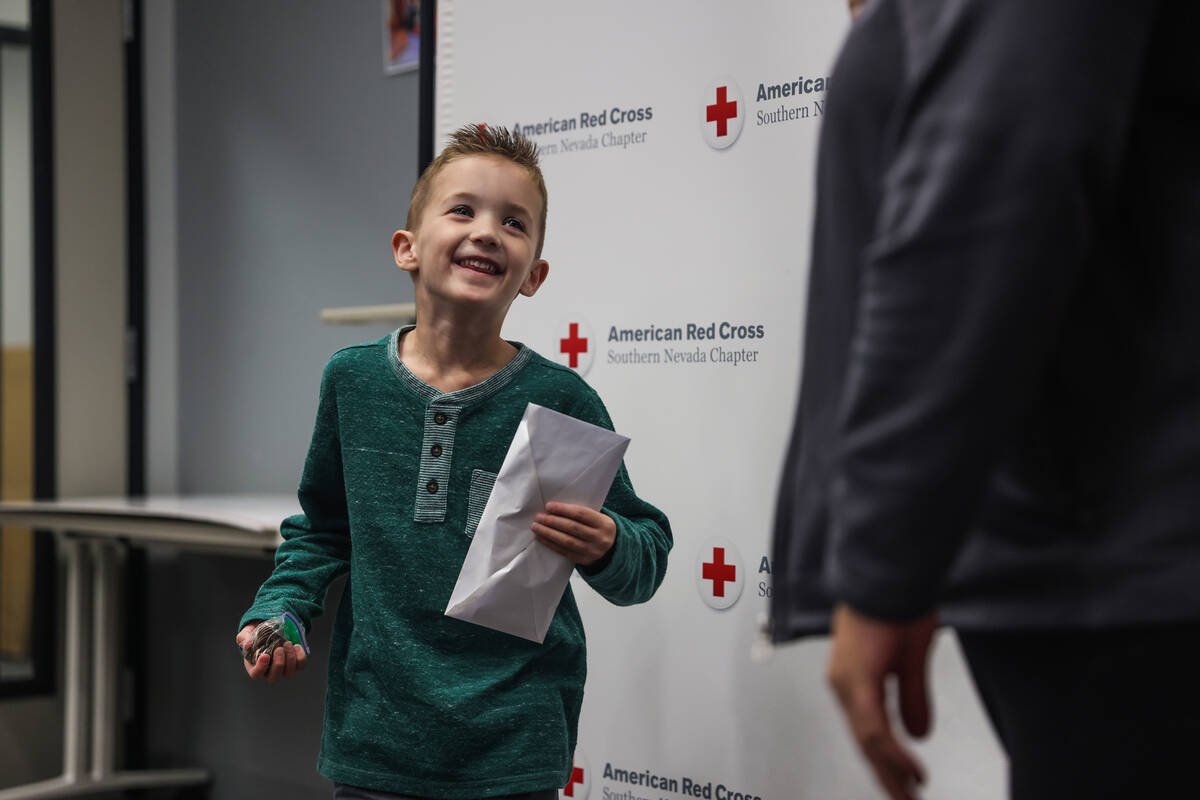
x: 89, y: 248
x: 295, y: 158
x: 162, y: 250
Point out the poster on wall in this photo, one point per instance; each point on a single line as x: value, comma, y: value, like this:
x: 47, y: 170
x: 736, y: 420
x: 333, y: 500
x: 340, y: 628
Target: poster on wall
x: 679, y: 144
x: 401, y: 35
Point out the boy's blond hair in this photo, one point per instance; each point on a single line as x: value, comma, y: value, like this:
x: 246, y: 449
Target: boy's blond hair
x: 482, y: 140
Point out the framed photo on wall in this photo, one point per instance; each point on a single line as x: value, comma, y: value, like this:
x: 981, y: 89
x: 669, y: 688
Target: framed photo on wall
x: 401, y: 35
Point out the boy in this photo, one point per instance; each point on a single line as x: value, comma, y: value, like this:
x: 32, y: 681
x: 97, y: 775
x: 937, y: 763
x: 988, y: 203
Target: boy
x: 410, y: 433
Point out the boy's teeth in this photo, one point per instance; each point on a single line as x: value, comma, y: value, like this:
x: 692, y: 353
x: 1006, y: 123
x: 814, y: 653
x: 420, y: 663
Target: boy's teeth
x: 480, y: 265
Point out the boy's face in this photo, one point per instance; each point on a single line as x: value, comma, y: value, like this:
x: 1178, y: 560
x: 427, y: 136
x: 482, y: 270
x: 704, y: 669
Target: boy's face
x: 476, y: 237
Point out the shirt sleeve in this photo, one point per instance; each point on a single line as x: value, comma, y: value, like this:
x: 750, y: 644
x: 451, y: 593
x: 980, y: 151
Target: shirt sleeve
x: 316, y: 543
x: 633, y: 568
x: 1003, y: 153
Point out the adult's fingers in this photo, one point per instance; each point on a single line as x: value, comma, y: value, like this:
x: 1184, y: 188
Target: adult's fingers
x: 894, y: 767
x: 895, y: 773
x: 913, y: 676
x: 862, y: 701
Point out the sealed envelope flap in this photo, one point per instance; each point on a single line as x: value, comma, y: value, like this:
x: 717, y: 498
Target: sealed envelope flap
x: 509, y: 581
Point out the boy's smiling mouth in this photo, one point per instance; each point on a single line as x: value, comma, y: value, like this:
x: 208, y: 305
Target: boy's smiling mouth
x: 480, y: 264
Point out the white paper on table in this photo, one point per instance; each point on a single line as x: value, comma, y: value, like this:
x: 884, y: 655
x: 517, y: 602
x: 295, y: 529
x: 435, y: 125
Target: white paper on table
x: 509, y: 581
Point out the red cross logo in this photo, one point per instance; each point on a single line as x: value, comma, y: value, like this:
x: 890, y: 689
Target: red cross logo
x: 573, y: 345
x: 576, y: 777
x: 719, y: 572
x: 722, y: 111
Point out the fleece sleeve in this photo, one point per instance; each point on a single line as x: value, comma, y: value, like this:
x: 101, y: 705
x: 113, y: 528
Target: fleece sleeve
x: 633, y: 569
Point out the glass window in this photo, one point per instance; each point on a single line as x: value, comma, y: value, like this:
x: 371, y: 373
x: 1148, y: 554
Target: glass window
x: 24, y: 626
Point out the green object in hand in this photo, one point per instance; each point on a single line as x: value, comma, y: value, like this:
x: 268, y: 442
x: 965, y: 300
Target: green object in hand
x: 275, y: 632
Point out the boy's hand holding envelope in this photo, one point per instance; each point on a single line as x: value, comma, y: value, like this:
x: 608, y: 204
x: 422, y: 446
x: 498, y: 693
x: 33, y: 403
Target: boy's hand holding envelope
x: 577, y: 532
x: 542, y: 518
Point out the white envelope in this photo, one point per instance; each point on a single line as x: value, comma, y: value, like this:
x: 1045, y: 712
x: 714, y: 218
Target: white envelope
x: 509, y: 581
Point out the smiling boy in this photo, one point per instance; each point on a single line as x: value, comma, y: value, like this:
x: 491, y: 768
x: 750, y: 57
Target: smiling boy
x: 410, y: 433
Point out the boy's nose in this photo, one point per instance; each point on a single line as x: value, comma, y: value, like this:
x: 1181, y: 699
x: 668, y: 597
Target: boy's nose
x: 484, y: 233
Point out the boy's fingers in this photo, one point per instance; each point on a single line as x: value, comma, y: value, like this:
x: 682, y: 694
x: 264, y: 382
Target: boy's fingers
x: 278, y: 664
x: 269, y: 672
x: 289, y: 661
x: 567, y: 527
x: 572, y: 549
x: 568, y: 548
x: 556, y: 540
x: 548, y: 532
x: 572, y: 511
x: 244, y: 637
x: 258, y: 670
x: 283, y: 662
x: 579, y: 539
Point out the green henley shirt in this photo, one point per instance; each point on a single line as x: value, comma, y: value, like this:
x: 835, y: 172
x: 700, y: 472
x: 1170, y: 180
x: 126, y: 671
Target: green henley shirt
x: 393, y: 486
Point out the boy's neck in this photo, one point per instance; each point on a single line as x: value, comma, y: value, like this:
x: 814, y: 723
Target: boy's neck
x: 451, y: 357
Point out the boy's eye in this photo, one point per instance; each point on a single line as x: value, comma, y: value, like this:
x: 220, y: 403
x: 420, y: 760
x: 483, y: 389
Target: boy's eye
x: 463, y: 210
x: 515, y: 223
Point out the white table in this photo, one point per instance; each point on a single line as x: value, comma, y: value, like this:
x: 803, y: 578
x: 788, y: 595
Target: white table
x: 91, y: 534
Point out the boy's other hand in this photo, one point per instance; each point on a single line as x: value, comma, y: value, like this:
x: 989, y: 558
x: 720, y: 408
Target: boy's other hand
x: 579, y: 533
x: 285, y: 662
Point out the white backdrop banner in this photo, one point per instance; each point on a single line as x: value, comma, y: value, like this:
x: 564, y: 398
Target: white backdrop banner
x: 678, y: 141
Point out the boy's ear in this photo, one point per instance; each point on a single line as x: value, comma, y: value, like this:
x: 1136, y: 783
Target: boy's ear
x: 536, y: 277
x: 403, y: 252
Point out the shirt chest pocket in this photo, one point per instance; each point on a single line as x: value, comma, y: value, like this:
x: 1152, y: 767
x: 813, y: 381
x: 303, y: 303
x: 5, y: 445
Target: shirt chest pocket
x: 482, y: 482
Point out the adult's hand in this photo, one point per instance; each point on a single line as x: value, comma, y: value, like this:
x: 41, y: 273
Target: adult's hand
x: 865, y: 652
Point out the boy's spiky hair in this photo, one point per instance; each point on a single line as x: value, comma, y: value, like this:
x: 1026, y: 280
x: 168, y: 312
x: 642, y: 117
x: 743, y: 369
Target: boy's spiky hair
x: 482, y: 140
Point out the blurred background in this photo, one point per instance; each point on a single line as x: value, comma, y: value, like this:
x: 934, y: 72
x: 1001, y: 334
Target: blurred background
x: 186, y: 184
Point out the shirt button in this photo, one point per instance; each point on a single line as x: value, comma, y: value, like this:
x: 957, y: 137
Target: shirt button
x: 432, y: 486
x: 439, y: 418
x: 435, y: 451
